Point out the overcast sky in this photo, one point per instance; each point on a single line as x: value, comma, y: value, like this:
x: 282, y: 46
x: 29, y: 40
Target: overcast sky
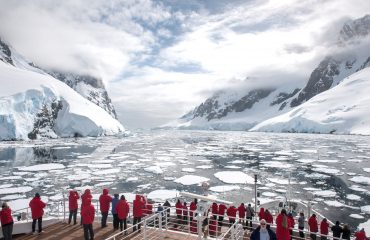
x: 159, y: 59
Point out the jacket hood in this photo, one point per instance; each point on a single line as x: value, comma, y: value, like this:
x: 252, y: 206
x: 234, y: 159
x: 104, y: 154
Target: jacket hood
x: 137, y: 197
x: 105, y: 191
x: 87, y: 191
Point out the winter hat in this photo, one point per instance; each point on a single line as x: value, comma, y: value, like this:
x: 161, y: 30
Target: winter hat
x: 37, y: 194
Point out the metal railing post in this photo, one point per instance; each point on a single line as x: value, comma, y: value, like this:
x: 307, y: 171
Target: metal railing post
x: 145, y: 222
x: 27, y: 215
x: 64, y: 208
x: 160, y: 224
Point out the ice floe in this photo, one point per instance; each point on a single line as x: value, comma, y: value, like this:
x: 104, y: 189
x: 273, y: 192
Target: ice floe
x: 224, y: 188
x: 361, y: 179
x: 191, y: 180
x: 325, y: 193
x: 163, y: 194
x: 234, y: 177
x: 356, y: 216
x: 353, y: 197
x: 334, y: 203
x: 107, y: 171
x: 365, y: 209
x: 367, y: 170
x: 190, y: 170
x: 204, y: 166
x: 42, y: 167
x: 154, y: 169
x: 15, y: 190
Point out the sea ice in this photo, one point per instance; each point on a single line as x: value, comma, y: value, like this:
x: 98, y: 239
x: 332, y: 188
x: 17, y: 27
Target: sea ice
x: 107, y: 171
x: 365, y: 225
x: 367, y: 170
x: 325, y: 193
x: 361, y: 179
x: 269, y: 194
x: 15, y: 190
x: 191, y: 180
x: 234, y: 177
x: 276, y: 164
x: 6, y: 185
x: 353, y: 197
x: 42, y: 167
x: 204, y: 166
x: 334, y: 203
x: 190, y: 170
x: 224, y: 188
x: 356, y: 216
x: 162, y: 195
x: 365, y: 209
x: 154, y: 169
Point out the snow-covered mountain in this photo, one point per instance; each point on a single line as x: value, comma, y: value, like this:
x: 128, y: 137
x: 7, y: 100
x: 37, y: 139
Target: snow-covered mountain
x: 35, y: 104
x: 343, y: 109
x: 241, y: 110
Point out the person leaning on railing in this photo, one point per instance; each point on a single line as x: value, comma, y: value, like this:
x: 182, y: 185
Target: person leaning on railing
x: 6, y: 221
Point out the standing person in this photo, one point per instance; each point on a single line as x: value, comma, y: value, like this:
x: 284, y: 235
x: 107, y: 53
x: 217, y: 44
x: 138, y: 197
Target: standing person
x: 84, y: 197
x: 231, y: 213
x: 261, y: 214
x: 138, y: 206
x: 301, y: 221
x: 324, y: 229
x: 282, y: 227
x: 114, y: 211
x: 122, y: 210
x: 6, y: 221
x: 221, y: 212
x: 312, y: 223
x: 346, y: 232
x: 160, y: 210
x: 179, y: 208
x: 337, y: 230
x: 37, y: 208
x: 185, y: 213
x: 263, y: 232
x: 291, y: 224
x: 73, y: 206
x: 167, y: 206
x: 214, y: 210
x: 241, y: 213
x: 250, y: 215
x: 361, y: 235
x: 88, y: 215
x: 193, y: 208
x: 269, y: 219
x: 105, y: 199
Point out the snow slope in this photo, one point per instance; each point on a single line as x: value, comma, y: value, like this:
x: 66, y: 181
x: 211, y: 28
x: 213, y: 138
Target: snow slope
x: 343, y: 109
x: 24, y: 94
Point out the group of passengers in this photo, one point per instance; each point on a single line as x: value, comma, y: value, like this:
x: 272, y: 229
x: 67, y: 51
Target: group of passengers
x: 185, y: 215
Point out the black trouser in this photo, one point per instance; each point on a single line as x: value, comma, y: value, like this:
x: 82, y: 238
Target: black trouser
x: 123, y: 224
x: 313, y: 236
x: 250, y: 221
x: 324, y: 238
x: 72, y: 213
x: 7, y: 231
x: 231, y: 221
x: 301, y: 233
x: 39, y: 221
x: 115, y: 221
x: 88, y: 230
x: 104, y: 217
x: 137, y: 220
x: 220, y: 220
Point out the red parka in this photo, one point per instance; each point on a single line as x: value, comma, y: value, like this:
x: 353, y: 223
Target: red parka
x: 84, y: 197
x: 105, y: 199
x: 193, y: 208
x: 6, y: 216
x: 269, y: 218
x: 241, y: 211
x: 179, y: 208
x: 290, y: 221
x: 361, y: 235
x: 214, y: 209
x: 231, y: 212
x: 37, y: 207
x: 185, y: 210
x: 88, y: 212
x: 312, y: 222
x: 138, y: 206
x: 282, y: 232
x: 261, y: 214
x: 324, y: 228
x: 122, y: 209
x: 222, y: 209
x: 73, y: 197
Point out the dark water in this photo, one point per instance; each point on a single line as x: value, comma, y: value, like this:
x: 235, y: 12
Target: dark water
x: 324, y: 166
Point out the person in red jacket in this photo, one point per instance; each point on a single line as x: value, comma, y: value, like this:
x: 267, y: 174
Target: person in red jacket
x: 105, y: 199
x: 324, y: 229
x: 312, y: 223
x: 6, y: 221
x: 88, y: 214
x: 221, y: 212
x: 193, y: 208
x: 185, y: 213
x: 268, y: 217
x: 261, y: 214
x: 138, y: 206
x: 231, y: 213
x: 214, y: 210
x: 282, y: 226
x: 73, y: 206
x: 84, y: 197
x: 241, y: 212
x: 122, y: 209
x: 179, y: 207
x: 290, y: 224
x: 361, y: 235
x: 37, y: 208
